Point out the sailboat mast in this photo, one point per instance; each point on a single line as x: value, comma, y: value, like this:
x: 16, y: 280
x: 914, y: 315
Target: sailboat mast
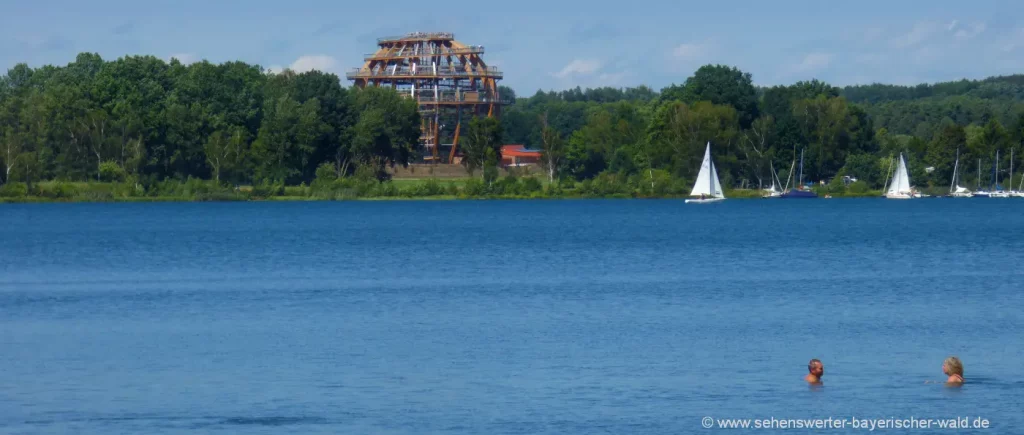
x: 789, y: 176
x: 801, y: 169
x: 955, y: 165
x: 711, y: 175
x: 888, y: 172
x: 979, y: 174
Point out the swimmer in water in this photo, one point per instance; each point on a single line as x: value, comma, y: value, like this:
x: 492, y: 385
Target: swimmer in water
x: 953, y: 368
x: 816, y: 370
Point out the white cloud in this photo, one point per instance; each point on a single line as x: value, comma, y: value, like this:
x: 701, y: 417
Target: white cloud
x: 611, y: 79
x: 1015, y: 41
x: 274, y: 69
x: 184, y: 58
x: 579, y: 67
x: 969, y: 33
x: 814, y: 61
x: 921, y: 32
x: 690, y: 51
x: 317, y: 62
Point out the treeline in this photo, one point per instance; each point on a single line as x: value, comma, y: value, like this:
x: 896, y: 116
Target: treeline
x: 851, y: 131
x: 141, y: 121
x: 147, y: 120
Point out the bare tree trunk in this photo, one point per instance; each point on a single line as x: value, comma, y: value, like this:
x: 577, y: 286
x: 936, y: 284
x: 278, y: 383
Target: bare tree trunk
x: 345, y: 164
x: 124, y: 142
x: 8, y: 160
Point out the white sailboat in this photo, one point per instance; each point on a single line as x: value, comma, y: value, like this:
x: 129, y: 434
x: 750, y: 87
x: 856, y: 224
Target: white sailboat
x: 980, y: 192
x: 998, y: 192
x: 1014, y: 193
x: 707, y: 187
x: 955, y: 190
x: 1019, y: 193
x: 900, y: 186
x: 774, y: 191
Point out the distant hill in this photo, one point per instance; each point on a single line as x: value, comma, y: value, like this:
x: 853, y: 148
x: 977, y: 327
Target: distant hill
x: 998, y: 88
x: 919, y: 110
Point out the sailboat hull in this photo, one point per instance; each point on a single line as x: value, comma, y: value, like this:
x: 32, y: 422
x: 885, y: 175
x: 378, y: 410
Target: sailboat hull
x: 899, y: 196
x: 703, y: 201
x: 796, y: 193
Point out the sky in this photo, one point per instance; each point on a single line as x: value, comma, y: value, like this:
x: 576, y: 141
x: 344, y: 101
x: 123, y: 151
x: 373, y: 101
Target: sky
x: 549, y: 45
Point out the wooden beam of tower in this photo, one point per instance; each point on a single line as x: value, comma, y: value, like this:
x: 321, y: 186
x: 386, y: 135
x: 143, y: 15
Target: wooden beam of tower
x: 455, y: 143
x: 437, y: 140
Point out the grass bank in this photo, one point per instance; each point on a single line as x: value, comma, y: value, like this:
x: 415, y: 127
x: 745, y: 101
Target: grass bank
x: 509, y: 187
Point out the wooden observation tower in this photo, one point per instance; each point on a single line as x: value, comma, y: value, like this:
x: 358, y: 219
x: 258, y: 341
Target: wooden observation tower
x: 450, y: 81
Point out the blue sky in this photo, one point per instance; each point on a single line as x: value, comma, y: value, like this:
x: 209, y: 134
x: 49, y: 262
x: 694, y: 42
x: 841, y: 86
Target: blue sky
x: 548, y: 44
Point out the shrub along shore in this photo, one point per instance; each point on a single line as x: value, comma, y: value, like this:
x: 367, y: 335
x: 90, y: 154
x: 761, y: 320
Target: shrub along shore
x: 356, y: 188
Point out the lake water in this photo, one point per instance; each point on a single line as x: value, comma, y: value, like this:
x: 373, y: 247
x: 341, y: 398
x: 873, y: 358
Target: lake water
x: 506, y: 317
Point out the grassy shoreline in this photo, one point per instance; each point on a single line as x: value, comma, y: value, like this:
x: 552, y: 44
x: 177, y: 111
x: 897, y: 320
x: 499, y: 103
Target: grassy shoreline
x: 87, y: 198
x: 361, y: 189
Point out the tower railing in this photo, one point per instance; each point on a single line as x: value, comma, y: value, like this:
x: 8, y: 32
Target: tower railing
x: 418, y: 35
x: 360, y: 73
x: 472, y: 50
x: 462, y: 97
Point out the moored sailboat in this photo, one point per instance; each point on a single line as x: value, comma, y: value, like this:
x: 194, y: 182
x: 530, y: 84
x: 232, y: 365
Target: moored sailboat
x: 955, y: 190
x: 799, y: 191
x: 979, y: 192
x: 774, y: 191
x: 997, y: 191
x: 900, y: 186
x: 707, y: 187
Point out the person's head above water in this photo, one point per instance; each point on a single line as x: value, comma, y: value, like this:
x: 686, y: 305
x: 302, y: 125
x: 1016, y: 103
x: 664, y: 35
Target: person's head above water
x: 815, y: 371
x: 953, y: 368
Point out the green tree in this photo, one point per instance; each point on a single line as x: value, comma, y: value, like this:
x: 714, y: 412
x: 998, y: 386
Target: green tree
x: 553, y: 147
x: 609, y: 129
x: 679, y: 132
x: 225, y: 150
x: 285, y: 139
x: 484, y: 133
x: 386, y: 130
x: 942, y: 152
x: 721, y: 84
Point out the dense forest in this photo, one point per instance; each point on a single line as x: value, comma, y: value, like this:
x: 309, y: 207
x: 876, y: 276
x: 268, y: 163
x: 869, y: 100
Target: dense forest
x: 843, y: 131
x: 144, y: 120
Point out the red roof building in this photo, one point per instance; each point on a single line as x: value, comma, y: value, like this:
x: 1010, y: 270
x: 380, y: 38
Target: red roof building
x: 518, y: 155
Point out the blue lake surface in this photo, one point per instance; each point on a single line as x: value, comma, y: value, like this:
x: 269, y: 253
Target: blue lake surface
x: 506, y: 317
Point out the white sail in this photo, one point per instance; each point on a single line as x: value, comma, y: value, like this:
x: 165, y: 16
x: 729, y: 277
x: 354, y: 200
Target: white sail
x: 900, y: 180
x: 717, y: 188
x: 904, y: 176
x: 707, y: 183
x: 703, y: 184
